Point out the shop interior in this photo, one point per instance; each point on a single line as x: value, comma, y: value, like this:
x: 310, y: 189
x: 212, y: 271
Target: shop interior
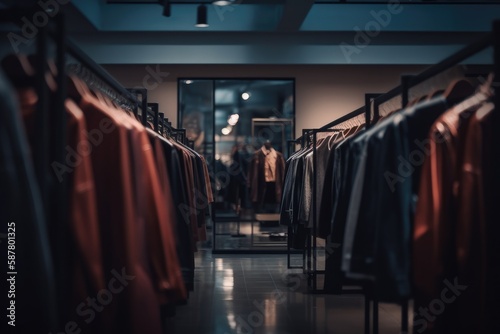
x: 249, y: 166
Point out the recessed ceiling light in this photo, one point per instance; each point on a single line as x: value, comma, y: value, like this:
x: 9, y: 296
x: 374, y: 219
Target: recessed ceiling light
x: 245, y: 96
x: 188, y: 82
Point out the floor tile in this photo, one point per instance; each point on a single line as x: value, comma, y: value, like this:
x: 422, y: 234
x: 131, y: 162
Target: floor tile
x: 257, y: 294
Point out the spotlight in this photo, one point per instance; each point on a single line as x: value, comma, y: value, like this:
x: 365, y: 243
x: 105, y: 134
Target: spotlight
x: 233, y: 119
x: 201, y: 18
x: 245, y: 96
x: 222, y: 2
x: 227, y: 130
x: 166, y: 8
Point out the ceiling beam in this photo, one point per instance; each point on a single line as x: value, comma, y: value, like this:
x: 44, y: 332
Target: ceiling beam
x: 294, y: 14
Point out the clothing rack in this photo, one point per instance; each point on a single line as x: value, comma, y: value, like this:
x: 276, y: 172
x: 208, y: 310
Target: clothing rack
x: 143, y: 93
x: 42, y: 152
x: 161, y: 124
x: 153, y: 110
x: 291, y: 142
x: 311, y: 246
x: 50, y: 145
x: 51, y: 132
x: 100, y: 72
x: 407, y: 82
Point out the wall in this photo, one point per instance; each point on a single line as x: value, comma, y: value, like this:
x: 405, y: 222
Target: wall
x: 323, y: 92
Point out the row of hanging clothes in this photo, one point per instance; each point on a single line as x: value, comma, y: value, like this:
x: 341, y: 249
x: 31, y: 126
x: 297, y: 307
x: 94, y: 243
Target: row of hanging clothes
x: 122, y: 256
x: 407, y: 207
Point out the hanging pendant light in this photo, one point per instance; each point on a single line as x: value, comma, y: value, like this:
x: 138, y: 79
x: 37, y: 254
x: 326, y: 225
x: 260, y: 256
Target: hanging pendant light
x: 201, y: 18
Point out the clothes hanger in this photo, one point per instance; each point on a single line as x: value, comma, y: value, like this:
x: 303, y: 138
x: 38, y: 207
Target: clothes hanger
x: 458, y: 90
x: 434, y: 94
x: 481, y: 95
x: 333, y: 139
x: 51, y: 73
x: 421, y: 98
x: 19, y: 70
x: 352, y: 127
x: 413, y: 102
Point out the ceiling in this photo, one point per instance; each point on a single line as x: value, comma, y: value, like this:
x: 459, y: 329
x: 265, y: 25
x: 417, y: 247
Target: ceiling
x: 276, y: 31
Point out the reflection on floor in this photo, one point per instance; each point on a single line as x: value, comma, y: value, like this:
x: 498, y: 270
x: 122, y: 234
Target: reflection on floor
x: 253, y: 235
x: 258, y: 294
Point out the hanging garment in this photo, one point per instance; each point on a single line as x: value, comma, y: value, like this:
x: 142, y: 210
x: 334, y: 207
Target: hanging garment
x: 478, y: 249
x: 377, y: 236
x: 291, y: 199
x: 21, y: 203
x: 323, y: 151
x: 335, y: 212
x: 75, y: 239
x: 121, y: 236
x: 257, y: 180
x: 445, y: 237
x: 171, y: 180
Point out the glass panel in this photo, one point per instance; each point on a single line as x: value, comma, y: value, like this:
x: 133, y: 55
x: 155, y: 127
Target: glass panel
x: 244, y: 115
x: 196, y: 114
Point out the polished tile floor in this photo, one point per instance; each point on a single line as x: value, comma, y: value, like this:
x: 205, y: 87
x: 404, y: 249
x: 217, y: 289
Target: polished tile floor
x: 258, y: 294
x: 254, y: 236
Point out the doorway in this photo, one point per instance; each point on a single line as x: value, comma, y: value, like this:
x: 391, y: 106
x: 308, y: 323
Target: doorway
x: 228, y: 121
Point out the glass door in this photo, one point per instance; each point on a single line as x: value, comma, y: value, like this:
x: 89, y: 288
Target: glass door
x: 240, y: 115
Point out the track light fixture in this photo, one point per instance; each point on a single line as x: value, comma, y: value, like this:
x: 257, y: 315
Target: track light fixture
x: 166, y: 8
x: 201, y: 18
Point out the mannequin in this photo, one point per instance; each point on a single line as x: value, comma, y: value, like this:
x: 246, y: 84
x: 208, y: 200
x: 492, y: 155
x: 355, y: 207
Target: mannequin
x: 265, y: 178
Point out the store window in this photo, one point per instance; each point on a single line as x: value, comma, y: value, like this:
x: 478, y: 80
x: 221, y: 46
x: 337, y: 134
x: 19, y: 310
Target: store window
x: 229, y: 121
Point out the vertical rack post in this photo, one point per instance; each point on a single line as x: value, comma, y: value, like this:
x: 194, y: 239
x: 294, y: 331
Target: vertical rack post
x: 367, y: 312
x: 492, y: 218
x: 290, y: 228
x: 161, y: 120
x: 58, y: 140
x: 143, y: 92
x: 288, y: 240
x: 496, y: 82
x: 375, y: 314
x: 314, y: 218
x: 368, y: 110
x: 309, y: 239
x: 368, y: 291
x: 405, y: 87
x: 59, y: 116
x: 376, y: 111
x: 305, y: 142
x: 41, y: 153
x: 155, y: 108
